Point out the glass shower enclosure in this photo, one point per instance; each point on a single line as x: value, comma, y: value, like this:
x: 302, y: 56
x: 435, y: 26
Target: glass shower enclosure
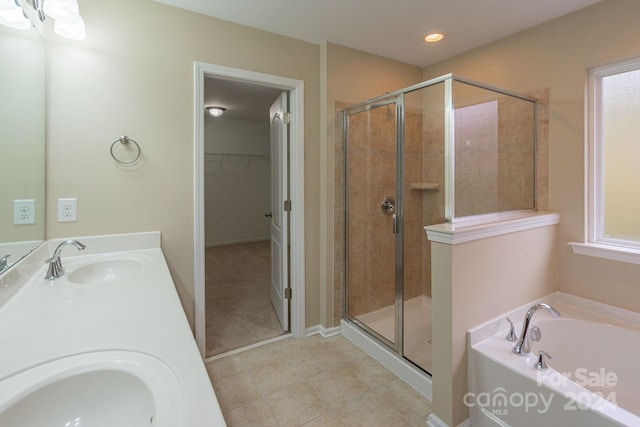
x: 447, y: 150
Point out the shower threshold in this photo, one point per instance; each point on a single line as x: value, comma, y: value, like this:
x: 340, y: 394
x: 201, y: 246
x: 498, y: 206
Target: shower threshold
x: 417, y: 314
x: 417, y: 328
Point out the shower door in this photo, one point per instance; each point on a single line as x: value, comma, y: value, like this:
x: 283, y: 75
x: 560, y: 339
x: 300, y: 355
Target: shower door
x: 373, y: 169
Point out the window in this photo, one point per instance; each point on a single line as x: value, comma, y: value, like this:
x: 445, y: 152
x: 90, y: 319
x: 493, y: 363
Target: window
x: 614, y: 161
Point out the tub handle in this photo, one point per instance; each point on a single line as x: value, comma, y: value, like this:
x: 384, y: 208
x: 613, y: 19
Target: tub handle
x: 511, y: 336
x: 541, y: 364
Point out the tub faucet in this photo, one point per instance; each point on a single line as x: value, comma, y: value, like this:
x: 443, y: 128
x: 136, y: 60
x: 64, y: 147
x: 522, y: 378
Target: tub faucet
x: 522, y: 346
x: 55, y: 269
x: 4, y: 263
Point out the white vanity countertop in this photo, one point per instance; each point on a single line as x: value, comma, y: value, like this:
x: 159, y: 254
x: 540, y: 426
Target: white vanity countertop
x: 46, y: 320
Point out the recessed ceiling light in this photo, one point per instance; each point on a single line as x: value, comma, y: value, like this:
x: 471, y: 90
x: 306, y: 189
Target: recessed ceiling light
x: 433, y: 37
x: 216, y: 111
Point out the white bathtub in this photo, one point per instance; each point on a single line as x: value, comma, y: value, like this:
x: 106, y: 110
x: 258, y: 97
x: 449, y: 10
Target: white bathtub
x: 593, y: 380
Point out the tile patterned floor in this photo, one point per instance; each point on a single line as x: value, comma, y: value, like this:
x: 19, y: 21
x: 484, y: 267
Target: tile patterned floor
x: 313, y: 382
x: 237, y: 297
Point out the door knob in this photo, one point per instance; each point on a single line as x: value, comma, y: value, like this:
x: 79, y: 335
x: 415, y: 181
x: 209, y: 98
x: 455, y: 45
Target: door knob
x: 268, y: 214
x: 388, y: 205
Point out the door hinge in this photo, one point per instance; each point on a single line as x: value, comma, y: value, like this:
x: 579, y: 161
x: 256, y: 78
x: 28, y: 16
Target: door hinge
x: 287, y: 293
x: 287, y: 118
x: 287, y: 205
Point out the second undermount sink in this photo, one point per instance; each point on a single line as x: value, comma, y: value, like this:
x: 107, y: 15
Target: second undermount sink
x: 103, y: 389
x: 106, y: 270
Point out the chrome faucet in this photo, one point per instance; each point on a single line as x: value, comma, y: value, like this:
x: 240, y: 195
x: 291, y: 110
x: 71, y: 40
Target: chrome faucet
x: 55, y: 269
x: 4, y: 263
x: 522, y: 346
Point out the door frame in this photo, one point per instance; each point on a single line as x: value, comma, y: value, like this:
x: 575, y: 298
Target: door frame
x: 296, y: 190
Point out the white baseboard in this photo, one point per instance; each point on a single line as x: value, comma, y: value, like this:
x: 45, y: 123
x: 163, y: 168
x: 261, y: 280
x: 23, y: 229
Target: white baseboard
x: 325, y: 332
x: 435, y: 421
x: 236, y: 242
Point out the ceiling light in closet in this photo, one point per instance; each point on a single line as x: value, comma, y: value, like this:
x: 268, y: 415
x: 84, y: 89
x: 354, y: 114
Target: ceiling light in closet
x: 216, y: 111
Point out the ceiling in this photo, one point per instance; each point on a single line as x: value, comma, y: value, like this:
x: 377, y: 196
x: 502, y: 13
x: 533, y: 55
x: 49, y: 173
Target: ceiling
x: 389, y: 28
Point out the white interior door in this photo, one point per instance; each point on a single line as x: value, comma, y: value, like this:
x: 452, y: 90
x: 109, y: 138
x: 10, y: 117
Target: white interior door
x: 279, y: 220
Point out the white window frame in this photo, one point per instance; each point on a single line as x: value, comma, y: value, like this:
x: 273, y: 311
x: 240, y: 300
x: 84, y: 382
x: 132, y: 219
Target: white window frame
x: 596, y: 243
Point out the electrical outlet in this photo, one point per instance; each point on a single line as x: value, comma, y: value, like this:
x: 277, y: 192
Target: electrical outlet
x: 24, y: 211
x: 68, y: 210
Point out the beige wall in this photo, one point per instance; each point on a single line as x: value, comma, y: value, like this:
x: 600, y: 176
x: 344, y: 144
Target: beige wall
x: 350, y: 76
x: 134, y: 75
x: 556, y: 55
x: 474, y: 282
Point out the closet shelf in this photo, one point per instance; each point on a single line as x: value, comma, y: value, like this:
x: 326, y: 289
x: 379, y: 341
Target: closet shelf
x: 433, y: 186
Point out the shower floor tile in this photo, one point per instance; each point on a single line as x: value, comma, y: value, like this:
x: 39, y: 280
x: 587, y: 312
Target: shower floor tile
x: 344, y: 387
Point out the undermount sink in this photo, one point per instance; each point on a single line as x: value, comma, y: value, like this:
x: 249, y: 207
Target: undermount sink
x: 102, y: 389
x: 106, y: 270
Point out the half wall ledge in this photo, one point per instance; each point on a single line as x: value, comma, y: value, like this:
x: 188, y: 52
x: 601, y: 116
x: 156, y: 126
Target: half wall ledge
x: 452, y: 234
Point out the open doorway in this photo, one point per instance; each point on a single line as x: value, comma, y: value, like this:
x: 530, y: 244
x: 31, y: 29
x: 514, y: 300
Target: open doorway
x: 248, y: 219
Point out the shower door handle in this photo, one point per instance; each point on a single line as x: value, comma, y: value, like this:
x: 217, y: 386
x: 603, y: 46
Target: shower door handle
x: 388, y: 205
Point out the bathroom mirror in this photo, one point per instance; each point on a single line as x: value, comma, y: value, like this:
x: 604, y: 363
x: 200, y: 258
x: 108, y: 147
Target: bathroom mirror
x: 22, y: 142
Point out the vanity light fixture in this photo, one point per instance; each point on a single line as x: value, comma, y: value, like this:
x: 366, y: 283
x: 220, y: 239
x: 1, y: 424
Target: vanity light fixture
x: 68, y: 22
x: 66, y: 13
x: 12, y: 15
x: 216, y: 111
x: 433, y: 37
x: 62, y: 10
x: 71, y: 30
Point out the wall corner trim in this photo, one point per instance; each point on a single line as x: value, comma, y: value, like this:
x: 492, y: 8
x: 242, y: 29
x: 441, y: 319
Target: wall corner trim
x: 452, y: 234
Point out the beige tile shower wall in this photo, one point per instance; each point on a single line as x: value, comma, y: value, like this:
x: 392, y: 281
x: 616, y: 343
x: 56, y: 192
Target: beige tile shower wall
x: 413, y: 233
x: 515, y: 177
x: 476, y: 159
x: 371, y: 175
x: 434, y: 200
x: 433, y: 173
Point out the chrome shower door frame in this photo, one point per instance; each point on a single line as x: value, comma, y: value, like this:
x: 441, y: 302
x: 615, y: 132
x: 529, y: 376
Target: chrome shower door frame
x: 398, y: 100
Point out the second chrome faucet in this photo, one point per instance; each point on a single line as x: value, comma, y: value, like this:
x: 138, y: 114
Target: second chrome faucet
x: 522, y: 346
x: 55, y: 269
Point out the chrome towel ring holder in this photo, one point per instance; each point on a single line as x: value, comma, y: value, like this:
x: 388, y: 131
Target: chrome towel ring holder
x: 125, y: 140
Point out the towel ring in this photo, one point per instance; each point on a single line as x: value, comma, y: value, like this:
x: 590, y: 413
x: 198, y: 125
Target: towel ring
x: 125, y: 140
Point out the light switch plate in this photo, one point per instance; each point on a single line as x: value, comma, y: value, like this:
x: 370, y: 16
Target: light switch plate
x: 24, y: 211
x: 68, y: 210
